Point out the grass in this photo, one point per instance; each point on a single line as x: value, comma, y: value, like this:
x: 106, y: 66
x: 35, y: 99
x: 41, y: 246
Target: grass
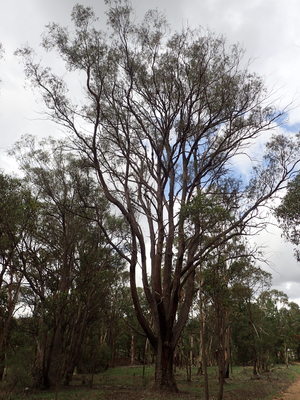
x: 127, y: 383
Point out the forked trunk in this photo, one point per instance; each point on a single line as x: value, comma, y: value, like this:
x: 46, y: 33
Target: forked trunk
x: 164, y: 374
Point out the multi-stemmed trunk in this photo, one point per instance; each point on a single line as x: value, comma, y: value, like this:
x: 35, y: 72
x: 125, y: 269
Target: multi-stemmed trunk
x: 48, y: 358
x: 57, y: 352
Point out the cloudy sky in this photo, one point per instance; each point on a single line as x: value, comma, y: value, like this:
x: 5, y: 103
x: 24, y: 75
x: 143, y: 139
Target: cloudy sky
x: 268, y: 30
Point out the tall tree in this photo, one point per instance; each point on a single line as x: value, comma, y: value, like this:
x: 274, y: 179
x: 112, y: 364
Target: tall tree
x: 67, y: 263
x: 227, y: 269
x: 163, y: 116
x: 17, y: 213
x: 288, y: 214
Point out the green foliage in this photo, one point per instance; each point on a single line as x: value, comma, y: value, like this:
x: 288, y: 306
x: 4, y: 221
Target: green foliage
x: 19, y: 364
x: 163, y: 117
x: 69, y: 265
x: 94, y: 357
x: 20, y: 356
x: 206, y: 209
x: 17, y: 214
x: 288, y: 214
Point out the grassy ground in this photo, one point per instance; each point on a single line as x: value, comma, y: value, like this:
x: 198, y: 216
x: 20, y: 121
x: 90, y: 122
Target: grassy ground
x: 127, y: 383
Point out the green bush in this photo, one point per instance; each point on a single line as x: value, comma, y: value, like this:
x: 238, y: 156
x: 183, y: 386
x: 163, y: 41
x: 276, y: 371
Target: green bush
x: 19, y: 367
x: 94, y: 358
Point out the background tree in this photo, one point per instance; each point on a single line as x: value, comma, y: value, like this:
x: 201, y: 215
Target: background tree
x: 17, y: 213
x: 68, y: 264
x: 162, y: 117
x: 227, y: 270
x: 288, y: 214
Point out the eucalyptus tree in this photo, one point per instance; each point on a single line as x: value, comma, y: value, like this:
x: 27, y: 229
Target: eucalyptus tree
x: 264, y: 328
x: 16, y: 216
x: 288, y: 214
x: 287, y: 330
x: 269, y: 328
x: 161, y: 118
x: 229, y: 273
x: 68, y: 264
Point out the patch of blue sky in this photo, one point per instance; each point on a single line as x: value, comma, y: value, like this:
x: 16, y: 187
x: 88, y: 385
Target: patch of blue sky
x: 293, y: 128
x: 283, y: 122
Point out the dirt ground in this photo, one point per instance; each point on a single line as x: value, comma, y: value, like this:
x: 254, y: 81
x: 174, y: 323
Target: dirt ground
x: 292, y: 393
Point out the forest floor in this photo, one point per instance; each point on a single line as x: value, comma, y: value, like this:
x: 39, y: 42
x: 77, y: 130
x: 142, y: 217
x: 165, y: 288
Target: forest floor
x: 129, y: 383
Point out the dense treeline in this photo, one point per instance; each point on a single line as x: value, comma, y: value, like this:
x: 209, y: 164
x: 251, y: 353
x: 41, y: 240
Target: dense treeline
x: 65, y: 301
x: 58, y: 261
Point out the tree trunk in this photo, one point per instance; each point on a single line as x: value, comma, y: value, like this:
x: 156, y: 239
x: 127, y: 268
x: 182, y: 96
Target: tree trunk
x: 221, y: 374
x: 40, y: 371
x: 145, y: 357
x: 286, y: 356
x: 48, y: 360
x: 132, y: 350
x: 164, y: 375
x: 41, y: 364
x: 203, y: 345
x: 221, y: 353
x: 2, y: 364
x: 255, y: 366
x: 227, y: 349
x: 72, y: 347
x: 56, y: 361
x: 189, y: 363
x: 205, y: 373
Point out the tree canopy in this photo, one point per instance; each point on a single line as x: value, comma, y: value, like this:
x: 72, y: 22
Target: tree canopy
x: 288, y: 214
x: 161, y: 119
